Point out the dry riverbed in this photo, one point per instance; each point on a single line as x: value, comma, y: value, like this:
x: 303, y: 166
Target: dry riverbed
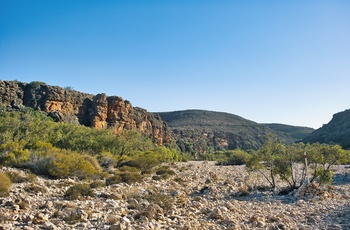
x: 200, y: 195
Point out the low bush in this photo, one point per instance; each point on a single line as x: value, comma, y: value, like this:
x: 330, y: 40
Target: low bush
x: 107, y: 159
x: 5, y: 184
x: 126, y: 168
x: 97, y: 184
x: 71, y: 165
x: 143, y: 163
x: 163, y: 173
x: 13, y: 154
x: 116, y: 179
x: 16, y: 177
x: 35, y: 188
x: 236, y: 157
x: 131, y: 177
x: 36, y: 84
x: 78, y: 191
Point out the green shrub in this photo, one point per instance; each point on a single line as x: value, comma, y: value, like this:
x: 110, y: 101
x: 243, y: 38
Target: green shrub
x: 116, y: 179
x: 97, y: 184
x: 93, y: 161
x: 126, y: 177
x: 324, y: 176
x: 13, y: 154
x: 5, y: 184
x: 126, y: 168
x: 131, y: 177
x: 78, y: 191
x: 70, y: 165
x: 107, y: 159
x: 236, y: 157
x: 36, y: 84
x: 163, y: 173
x: 143, y: 163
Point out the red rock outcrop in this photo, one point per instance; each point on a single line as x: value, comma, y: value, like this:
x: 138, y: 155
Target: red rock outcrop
x: 99, y: 111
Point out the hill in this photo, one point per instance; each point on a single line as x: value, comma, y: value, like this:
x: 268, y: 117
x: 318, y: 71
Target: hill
x: 205, y: 131
x: 336, y: 131
x: 296, y: 132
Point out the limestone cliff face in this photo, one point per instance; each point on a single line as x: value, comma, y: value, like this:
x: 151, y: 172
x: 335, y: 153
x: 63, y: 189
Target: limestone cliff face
x: 99, y: 111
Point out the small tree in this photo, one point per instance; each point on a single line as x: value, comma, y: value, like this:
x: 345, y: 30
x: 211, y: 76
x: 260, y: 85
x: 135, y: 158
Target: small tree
x: 322, y: 158
x: 286, y: 165
x: 268, y: 157
x: 274, y: 159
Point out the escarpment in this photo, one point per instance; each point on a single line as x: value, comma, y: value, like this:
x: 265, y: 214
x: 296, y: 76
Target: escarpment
x: 99, y: 111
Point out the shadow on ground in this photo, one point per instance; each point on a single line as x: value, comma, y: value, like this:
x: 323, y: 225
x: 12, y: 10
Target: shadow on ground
x: 341, y: 179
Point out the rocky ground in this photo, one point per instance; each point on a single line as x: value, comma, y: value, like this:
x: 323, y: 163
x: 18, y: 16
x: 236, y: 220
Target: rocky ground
x: 199, y: 196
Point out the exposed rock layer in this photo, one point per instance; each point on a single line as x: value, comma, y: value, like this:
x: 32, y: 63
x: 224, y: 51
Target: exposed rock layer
x: 99, y: 111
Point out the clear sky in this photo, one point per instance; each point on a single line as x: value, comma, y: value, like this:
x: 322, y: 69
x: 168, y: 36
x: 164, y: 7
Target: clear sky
x: 269, y: 61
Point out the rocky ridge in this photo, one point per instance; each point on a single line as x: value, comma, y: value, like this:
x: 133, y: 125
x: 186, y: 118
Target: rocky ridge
x: 336, y: 131
x: 200, y: 195
x: 98, y: 111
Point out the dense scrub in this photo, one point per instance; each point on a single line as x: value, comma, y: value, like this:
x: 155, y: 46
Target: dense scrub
x: 29, y: 139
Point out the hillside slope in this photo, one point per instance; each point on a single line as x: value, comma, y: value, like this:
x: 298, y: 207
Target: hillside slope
x: 208, y: 131
x: 336, y: 131
x: 296, y: 132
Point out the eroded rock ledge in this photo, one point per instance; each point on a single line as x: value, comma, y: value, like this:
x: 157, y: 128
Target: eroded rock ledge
x: 98, y: 111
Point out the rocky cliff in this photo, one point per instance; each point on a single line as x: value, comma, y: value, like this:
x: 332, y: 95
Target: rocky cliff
x: 98, y: 111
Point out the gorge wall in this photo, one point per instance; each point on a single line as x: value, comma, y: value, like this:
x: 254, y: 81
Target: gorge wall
x: 99, y: 111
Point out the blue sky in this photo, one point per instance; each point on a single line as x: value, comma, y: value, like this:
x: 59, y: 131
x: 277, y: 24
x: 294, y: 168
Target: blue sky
x: 267, y: 61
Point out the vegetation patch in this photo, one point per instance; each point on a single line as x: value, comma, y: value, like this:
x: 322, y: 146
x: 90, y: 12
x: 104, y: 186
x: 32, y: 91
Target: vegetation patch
x: 5, y: 184
x: 29, y: 139
x: 163, y: 172
x: 234, y: 157
x: 126, y: 177
x: 78, y: 191
x: 35, y: 188
x: 16, y: 177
